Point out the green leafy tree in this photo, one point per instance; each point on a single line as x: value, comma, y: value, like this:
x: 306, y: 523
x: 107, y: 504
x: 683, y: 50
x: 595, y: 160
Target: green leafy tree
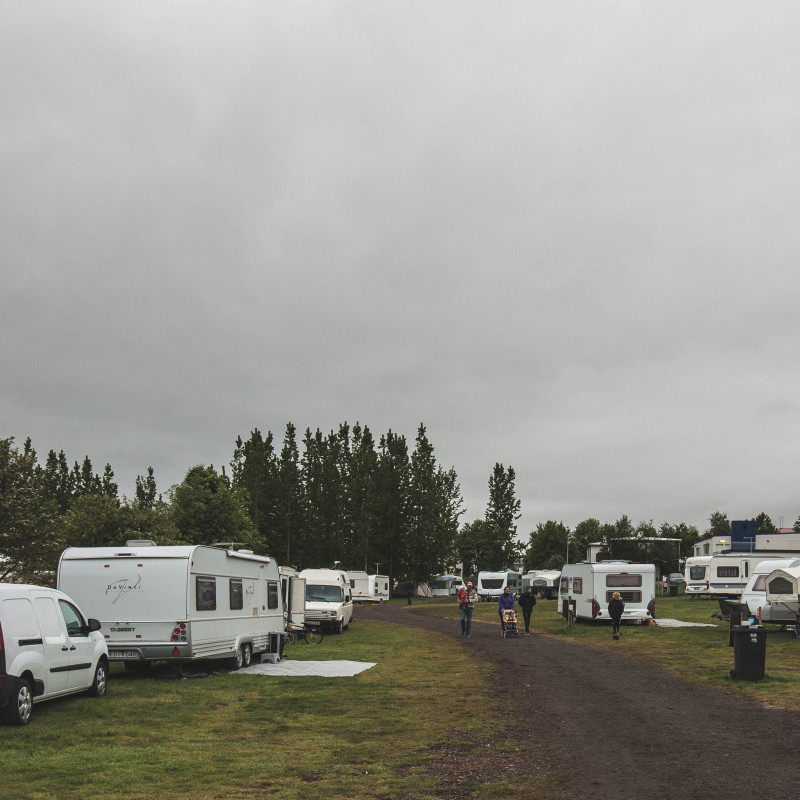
x: 392, y: 484
x: 363, y: 499
x: 547, y: 547
x: 146, y: 493
x: 502, y: 513
x: 254, y: 477
x: 764, y: 524
x: 719, y: 524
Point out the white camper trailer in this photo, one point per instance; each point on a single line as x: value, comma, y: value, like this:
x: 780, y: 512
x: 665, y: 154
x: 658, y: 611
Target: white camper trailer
x: 696, y: 575
x: 543, y: 582
x: 378, y: 588
x: 359, y: 586
x: 329, y: 599
x: 729, y: 572
x: 754, y: 595
x: 491, y: 584
x: 586, y: 588
x: 444, y: 585
x: 182, y: 603
x: 783, y: 589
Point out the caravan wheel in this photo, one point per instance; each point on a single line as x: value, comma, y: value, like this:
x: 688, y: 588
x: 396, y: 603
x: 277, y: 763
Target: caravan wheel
x: 247, y: 655
x: 237, y: 660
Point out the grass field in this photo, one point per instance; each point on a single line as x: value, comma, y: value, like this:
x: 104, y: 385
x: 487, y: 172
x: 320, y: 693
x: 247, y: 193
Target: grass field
x: 238, y: 736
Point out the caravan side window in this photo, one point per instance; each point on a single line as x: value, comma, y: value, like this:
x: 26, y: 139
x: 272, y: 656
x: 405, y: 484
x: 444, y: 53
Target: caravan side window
x: 564, y: 588
x: 623, y: 580
x: 272, y: 594
x: 206, y: 590
x: 727, y: 572
x: 236, y: 594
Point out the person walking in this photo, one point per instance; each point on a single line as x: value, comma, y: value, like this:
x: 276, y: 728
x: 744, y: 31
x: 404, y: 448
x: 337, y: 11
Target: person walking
x: 615, y: 609
x: 410, y: 593
x: 527, y: 600
x: 467, y: 598
x: 505, y: 601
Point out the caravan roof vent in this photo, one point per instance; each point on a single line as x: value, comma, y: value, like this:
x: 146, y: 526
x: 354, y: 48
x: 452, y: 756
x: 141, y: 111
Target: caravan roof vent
x: 140, y: 543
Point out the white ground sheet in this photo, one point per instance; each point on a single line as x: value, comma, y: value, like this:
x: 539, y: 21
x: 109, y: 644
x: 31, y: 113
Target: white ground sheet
x: 324, y: 669
x: 676, y: 623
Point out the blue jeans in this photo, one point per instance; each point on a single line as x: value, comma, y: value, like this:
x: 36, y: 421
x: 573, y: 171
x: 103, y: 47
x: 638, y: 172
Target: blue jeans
x: 466, y: 621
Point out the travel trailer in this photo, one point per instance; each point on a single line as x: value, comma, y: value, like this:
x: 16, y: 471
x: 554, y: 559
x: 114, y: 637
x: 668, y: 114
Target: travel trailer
x: 586, y: 588
x: 444, y: 585
x: 48, y: 649
x: 695, y: 575
x: 329, y: 599
x: 178, y: 603
x: 755, y: 593
x: 359, y: 586
x: 727, y: 573
x: 543, y: 582
x: 491, y: 584
x: 783, y: 590
x: 378, y: 588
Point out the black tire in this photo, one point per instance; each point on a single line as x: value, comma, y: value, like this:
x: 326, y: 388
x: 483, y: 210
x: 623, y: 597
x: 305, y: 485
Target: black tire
x: 314, y: 636
x: 100, y: 683
x: 20, y: 705
x: 238, y: 660
x: 247, y: 655
x: 340, y: 626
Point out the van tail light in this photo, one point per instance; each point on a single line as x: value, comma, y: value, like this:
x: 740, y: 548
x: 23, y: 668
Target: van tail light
x: 595, y: 609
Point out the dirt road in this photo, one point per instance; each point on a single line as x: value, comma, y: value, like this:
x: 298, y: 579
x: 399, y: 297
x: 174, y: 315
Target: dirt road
x: 618, y: 728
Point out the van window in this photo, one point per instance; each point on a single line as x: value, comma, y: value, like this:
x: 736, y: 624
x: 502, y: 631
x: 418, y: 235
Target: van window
x: 697, y: 573
x: 236, y: 594
x: 18, y: 619
x: 577, y: 586
x: 76, y: 625
x: 49, y: 618
x: 206, y: 594
x: 727, y: 572
x: 323, y: 593
x: 623, y: 580
x: 272, y: 594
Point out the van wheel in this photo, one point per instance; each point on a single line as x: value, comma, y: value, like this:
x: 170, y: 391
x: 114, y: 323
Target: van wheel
x: 339, y: 626
x: 247, y: 655
x: 20, y: 705
x: 100, y: 682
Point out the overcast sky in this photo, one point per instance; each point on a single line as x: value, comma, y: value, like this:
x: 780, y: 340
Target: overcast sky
x: 562, y: 235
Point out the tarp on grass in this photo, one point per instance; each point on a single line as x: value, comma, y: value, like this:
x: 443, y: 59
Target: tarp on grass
x: 322, y: 669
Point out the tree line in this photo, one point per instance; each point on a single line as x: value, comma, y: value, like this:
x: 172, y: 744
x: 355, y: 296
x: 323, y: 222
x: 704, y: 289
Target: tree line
x: 338, y: 498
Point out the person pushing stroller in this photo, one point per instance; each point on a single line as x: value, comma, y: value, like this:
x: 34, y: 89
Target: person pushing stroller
x: 505, y: 602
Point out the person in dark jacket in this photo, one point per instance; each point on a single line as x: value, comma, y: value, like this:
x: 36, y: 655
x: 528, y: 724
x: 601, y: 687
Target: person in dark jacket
x: 527, y: 600
x: 506, y: 600
x: 615, y: 609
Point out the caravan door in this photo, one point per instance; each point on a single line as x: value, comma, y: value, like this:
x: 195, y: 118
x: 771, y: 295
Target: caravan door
x: 297, y: 602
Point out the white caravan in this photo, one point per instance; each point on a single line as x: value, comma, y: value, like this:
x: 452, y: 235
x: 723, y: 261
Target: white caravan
x: 543, y: 582
x: 586, y: 589
x: 378, y: 588
x: 727, y: 573
x: 491, y: 584
x: 359, y: 585
x: 695, y: 575
x: 755, y: 593
x: 444, y: 585
x: 178, y: 604
x: 47, y: 649
x: 329, y: 601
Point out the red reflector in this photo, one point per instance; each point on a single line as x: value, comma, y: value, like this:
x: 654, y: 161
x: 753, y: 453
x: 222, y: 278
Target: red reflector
x: 183, y: 626
x: 599, y: 613
x: 138, y: 635
x: 107, y: 636
x: 106, y: 566
x: 176, y: 653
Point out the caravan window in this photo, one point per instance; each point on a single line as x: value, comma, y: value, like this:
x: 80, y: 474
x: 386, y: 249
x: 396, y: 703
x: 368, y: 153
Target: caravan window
x: 272, y: 594
x: 492, y: 583
x: 236, y: 594
x: 780, y: 586
x: 761, y: 584
x: 206, y: 590
x: 564, y: 587
x: 697, y: 573
x: 727, y: 572
x: 577, y: 586
x: 623, y: 580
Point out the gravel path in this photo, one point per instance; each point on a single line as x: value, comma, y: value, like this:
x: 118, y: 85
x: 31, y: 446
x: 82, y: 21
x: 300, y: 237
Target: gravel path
x: 622, y: 728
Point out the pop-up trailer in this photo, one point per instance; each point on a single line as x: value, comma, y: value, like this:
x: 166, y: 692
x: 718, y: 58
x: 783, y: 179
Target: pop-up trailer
x: 182, y: 603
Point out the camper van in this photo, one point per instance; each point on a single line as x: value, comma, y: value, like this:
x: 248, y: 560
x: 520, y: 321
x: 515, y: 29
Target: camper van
x: 543, y: 582
x: 378, y: 588
x: 359, y: 586
x: 178, y: 603
x: 329, y: 599
x: 48, y: 649
x: 755, y: 593
x: 586, y: 588
x: 491, y: 584
x: 444, y: 585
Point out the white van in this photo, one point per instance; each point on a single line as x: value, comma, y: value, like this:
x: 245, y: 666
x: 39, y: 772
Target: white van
x: 329, y: 599
x: 491, y: 584
x: 48, y: 648
x: 178, y: 603
x: 586, y: 589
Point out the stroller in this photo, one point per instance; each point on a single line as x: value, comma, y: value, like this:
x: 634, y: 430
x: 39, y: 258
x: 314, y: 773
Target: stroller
x: 509, y: 626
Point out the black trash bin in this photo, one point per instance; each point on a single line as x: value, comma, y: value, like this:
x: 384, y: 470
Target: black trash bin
x: 749, y: 652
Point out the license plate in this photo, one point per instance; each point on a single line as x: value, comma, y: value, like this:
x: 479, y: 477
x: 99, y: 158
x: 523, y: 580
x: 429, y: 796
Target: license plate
x: 130, y: 655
